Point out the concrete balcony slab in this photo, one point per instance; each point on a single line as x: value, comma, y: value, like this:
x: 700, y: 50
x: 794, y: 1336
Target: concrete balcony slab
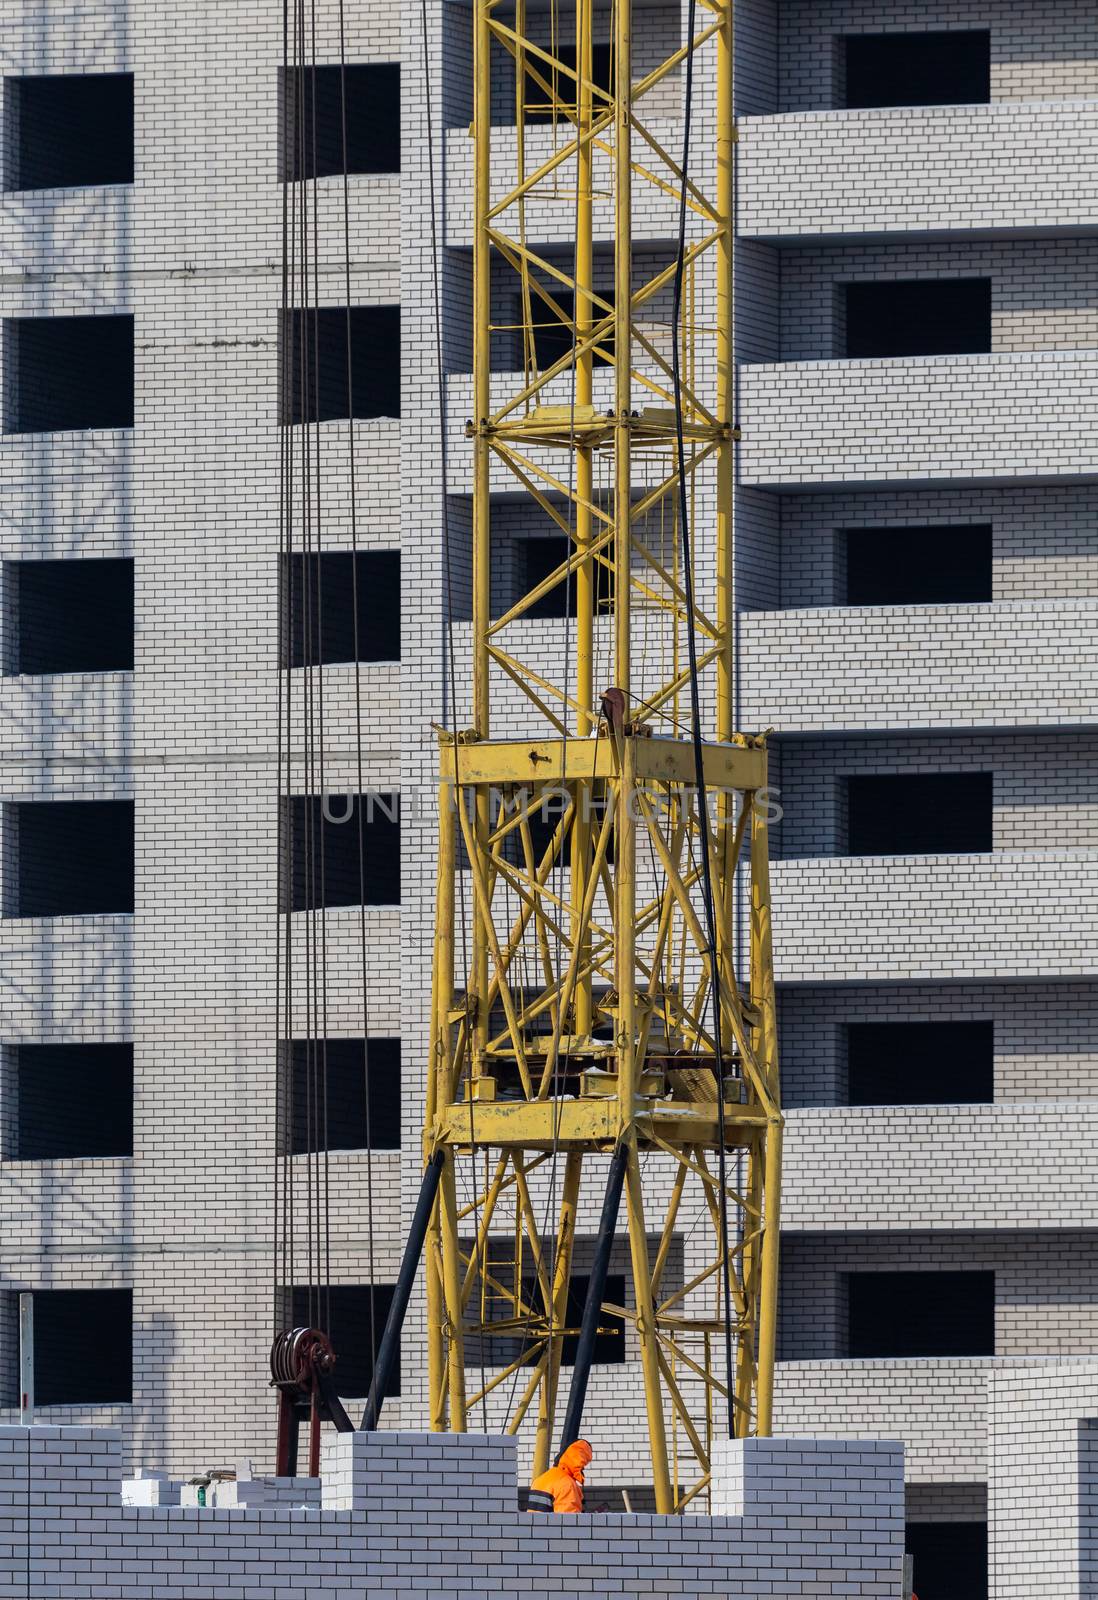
x: 76, y: 715
x: 1009, y: 417
x: 1006, y: 170
x: 914, y: 1168
x: 1006, y: 664
x: 937, y: 1407
x: 67, y: 977
x: 874, y: 919
x: 46, y: 1205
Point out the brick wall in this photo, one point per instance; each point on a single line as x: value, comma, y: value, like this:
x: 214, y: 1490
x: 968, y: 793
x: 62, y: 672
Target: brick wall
x: 952, y: 418
x: 396, y: 1517
x: 1039, y: 50
x: 1041, y: 1481
x: 1042, y: 540
x: 811, y: 174
x: 1045, y: 1285
x: 1045, y: 1035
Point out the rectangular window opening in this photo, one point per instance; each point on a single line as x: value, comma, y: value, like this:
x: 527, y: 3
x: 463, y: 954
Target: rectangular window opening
x: 62, y: 374
x: 950, y: 1559
x: 341, y: 606
x: 896, y: 1315
x: 68, y: 131
x: 917, y: 317
x: 69, y: 616
x: 83, y: 1347
x: 539, y: 107
x: 321, y: 138
x: 939, y: 565
x: 917, y: 69
x: 340, y: 361
x: 920, y: 1063
x: 353, y: 1316
x: 327, y: 868
x: 918, y: 813
x: 330, y: 1081
x: 72, y: 1101
x: 71, y: 858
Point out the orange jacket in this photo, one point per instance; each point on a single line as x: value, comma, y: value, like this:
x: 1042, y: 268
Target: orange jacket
x: 565, y: 1481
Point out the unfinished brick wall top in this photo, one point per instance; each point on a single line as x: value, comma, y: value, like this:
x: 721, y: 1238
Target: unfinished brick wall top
x: 405, y: 1513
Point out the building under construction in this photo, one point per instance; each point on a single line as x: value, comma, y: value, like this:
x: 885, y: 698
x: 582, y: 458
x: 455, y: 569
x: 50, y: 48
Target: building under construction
x: 548, y: 546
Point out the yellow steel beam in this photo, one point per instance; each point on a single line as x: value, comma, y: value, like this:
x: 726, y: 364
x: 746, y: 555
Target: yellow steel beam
x: 549, y: 1124
x: 541, y: 761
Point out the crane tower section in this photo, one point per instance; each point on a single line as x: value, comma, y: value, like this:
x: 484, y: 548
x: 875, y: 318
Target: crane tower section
x: 604, y: 1034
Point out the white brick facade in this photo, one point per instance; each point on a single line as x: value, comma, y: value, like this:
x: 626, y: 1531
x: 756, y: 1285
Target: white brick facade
x: 1005, y: 440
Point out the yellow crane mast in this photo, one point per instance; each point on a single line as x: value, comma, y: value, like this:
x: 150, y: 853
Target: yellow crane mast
x: 587, y: 968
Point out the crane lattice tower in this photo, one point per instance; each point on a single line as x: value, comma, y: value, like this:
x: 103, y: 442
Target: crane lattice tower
x: 603, y: 982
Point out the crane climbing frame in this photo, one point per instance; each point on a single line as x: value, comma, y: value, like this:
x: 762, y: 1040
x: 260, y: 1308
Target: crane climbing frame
x: 580, y: 1024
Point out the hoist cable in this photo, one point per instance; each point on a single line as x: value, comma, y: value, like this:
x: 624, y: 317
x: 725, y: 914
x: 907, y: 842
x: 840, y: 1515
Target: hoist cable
x: 359, y: 800
x: 283, y: 646
x: 449, y: 704
x: 695, y: 713
x: 302, y: 1098
x: 323, y: 1224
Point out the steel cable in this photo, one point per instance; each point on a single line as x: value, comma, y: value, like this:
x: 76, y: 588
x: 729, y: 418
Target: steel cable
x: 695, y: 708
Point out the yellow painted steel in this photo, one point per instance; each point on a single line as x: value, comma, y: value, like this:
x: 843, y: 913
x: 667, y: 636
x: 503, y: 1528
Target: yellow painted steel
x: 581, y: 1019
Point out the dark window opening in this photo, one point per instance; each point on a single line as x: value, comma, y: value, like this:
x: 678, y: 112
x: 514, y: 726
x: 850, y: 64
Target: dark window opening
x: 328, y: 866
x: 538, y: 107
x: 918, y: 566
x: 938, y: 813
x: 342, y: 606
x: 950, y: 1559
x: 63, y: 132
x: 65, y: 373
x: 917, y: 69
x: 330, y: 1094
x: 920, y: 1063
x: 72, y: 616
x: 73, y: 1101
x: 83, y: 1347
x: 353, y: 1316
x: 900, y: 1314
x: 541, y: 555
x: 554, y: 338
x: 918, y: 317
x: 326, y: 378
x: 501, y: 1349
x: 317, y: 129
x: 610, y: 1340
x: 75, y: 858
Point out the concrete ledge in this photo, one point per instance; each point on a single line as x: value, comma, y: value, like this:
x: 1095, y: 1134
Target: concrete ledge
x: 876, y: 919
x: 1005, y: 664
x: 938, y: 1408
x: 1010, y: 168
x: 949, y: 1168
x: 956, y: 419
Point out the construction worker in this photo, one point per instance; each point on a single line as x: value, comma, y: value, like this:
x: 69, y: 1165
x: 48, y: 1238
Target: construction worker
x: 565, y: 1481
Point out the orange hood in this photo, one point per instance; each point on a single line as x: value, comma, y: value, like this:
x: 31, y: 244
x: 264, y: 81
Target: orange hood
x: 575, y: 1458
